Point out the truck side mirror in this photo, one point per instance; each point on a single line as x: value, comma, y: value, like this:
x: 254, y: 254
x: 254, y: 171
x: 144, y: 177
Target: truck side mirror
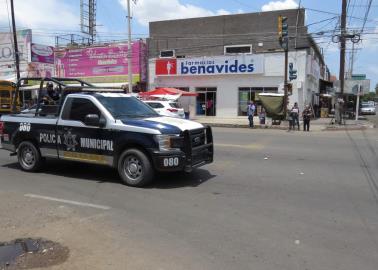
x: 93, y: 120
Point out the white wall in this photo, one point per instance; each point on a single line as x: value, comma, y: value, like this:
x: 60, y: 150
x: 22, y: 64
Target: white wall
x: 227, y: 85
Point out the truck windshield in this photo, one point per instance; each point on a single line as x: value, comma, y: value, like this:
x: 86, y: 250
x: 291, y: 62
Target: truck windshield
x: 127, y: 107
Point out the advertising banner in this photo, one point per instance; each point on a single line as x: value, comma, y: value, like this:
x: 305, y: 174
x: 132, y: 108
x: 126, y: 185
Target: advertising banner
x: 42, y: 53
x: 215, y: 65
x: 100, y: 61
x: 7, y: 59
x: 36, y: 69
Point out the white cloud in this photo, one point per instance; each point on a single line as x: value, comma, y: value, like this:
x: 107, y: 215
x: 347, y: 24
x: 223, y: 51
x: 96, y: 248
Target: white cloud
x: 223, y: 12
x: 278, y: 5
x: 42, y: 15
x: 146, y: 11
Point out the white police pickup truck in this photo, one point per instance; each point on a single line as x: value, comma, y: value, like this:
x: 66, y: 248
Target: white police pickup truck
x: 111, y: 129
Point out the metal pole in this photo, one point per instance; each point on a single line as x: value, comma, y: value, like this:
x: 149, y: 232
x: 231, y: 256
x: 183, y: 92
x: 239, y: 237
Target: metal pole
x: 296, y: 25
x: 358, y: 101
x: 17, y: 57
x: 285, y: 81
x: 129, y: 50
x: 342, y: 47
x: 351, y: 62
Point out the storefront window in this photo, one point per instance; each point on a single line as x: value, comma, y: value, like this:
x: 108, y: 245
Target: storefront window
x: 206, y: 101
x: 247, y: 94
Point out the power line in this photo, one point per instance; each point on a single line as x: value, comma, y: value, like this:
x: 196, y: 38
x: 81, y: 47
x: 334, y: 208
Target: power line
x: 334, y: 13
x: 366, y: 15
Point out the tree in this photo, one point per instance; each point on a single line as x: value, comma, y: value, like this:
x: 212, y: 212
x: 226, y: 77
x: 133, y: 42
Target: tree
x: 376, y: 89
x: 368, y: 97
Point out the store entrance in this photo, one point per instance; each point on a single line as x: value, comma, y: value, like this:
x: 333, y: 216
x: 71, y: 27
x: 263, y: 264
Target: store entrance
x: 206, y: 101
x: 247, y: 94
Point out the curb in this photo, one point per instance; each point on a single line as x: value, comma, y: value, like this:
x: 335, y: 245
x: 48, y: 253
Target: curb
x: 244, y: 126
x: 330, y: 128
x: 325, y: 128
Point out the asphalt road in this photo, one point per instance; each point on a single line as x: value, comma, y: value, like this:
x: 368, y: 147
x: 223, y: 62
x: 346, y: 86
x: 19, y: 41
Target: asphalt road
x: 271, y: 200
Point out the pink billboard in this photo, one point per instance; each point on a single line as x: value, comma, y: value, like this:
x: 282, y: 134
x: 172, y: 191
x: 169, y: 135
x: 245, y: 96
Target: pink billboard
x: 101, y: 61
x: 42, y: 53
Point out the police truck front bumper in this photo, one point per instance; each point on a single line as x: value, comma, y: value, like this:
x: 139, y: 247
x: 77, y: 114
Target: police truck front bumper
x: 196, y: 149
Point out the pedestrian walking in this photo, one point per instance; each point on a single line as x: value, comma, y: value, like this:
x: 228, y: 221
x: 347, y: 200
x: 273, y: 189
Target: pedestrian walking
x: 295, y: 115
x: 306, y: 114
x: 251, y: 112
x: 184, y: 103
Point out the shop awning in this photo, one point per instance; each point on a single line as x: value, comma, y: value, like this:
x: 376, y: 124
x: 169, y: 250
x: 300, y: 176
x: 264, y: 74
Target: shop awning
x: 168, y: 91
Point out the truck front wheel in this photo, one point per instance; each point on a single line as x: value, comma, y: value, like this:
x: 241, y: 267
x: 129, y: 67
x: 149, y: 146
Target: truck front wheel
x: 29, y: 157
x: 135, y: 168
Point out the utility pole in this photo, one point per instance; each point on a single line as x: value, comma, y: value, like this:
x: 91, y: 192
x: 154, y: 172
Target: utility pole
x: 16, y: 55
x: 283, y: 38
x: 129, y: 50
x: 342, y: 46
x: 285, y: 80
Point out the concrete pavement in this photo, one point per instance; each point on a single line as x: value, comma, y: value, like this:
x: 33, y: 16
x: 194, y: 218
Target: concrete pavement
x: 271, y: 200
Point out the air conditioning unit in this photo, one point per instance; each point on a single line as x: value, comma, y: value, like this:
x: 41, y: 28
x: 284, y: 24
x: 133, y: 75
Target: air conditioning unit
x: 167, y: 54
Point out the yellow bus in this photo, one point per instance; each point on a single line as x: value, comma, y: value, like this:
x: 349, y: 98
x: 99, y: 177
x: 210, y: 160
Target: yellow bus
x: 7, y: 94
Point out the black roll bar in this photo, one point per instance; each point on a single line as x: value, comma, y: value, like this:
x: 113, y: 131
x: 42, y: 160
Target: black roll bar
x: 61, y: 82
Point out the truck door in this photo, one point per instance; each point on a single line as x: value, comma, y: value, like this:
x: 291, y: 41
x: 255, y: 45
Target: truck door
x: 79, y: 139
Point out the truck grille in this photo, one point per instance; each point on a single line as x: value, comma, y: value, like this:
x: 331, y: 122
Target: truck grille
x: 198, y: 146
x: 198, y: 137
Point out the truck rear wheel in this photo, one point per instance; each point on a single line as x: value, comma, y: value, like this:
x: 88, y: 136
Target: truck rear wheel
x: 135, y: 168
x: 29, y: 157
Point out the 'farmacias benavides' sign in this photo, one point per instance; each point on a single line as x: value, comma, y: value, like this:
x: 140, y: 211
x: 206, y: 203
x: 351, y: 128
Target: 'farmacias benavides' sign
x: 216, y: 65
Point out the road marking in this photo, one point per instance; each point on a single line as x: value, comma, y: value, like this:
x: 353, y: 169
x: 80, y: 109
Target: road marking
x: 103, y: 207
x: 246, y: 146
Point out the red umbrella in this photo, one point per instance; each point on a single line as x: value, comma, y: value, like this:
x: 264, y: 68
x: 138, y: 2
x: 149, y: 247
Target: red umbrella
x: 168, y: 91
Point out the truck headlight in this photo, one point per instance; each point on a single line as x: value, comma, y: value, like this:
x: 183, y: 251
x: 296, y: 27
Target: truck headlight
x: 168, y: 142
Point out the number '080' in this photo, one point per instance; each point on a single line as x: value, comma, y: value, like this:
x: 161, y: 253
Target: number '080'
x: 24, y: 127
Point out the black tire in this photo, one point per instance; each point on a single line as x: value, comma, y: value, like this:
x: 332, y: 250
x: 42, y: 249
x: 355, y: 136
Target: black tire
x: 135, y: 168
x: 29, y: 157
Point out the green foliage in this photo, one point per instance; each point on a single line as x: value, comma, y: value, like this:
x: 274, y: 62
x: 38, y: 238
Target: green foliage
x: 369, y: 96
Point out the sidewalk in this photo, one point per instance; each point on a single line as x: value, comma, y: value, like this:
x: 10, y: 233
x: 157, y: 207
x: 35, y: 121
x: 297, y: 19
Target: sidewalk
x: 320, y: 124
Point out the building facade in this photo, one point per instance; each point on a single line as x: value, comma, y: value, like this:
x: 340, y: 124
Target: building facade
x: 229, y: 59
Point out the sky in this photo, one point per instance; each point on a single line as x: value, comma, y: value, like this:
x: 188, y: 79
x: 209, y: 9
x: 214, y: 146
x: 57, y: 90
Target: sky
x: 47, y: 18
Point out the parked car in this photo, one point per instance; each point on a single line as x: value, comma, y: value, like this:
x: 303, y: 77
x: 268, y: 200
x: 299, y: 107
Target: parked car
x: 368, y: 108
x: 166, y: 108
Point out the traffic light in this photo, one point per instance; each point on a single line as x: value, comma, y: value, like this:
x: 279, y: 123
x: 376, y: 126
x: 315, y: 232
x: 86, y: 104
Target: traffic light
x: 280, y: 28
x: 289, y: 89
x: 285, y: 27
x: 283, y: 32
x: 292, y: 72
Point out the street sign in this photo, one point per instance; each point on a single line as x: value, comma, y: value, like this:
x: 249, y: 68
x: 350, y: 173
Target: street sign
x: 357, y: 90
x: 292, y: 72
